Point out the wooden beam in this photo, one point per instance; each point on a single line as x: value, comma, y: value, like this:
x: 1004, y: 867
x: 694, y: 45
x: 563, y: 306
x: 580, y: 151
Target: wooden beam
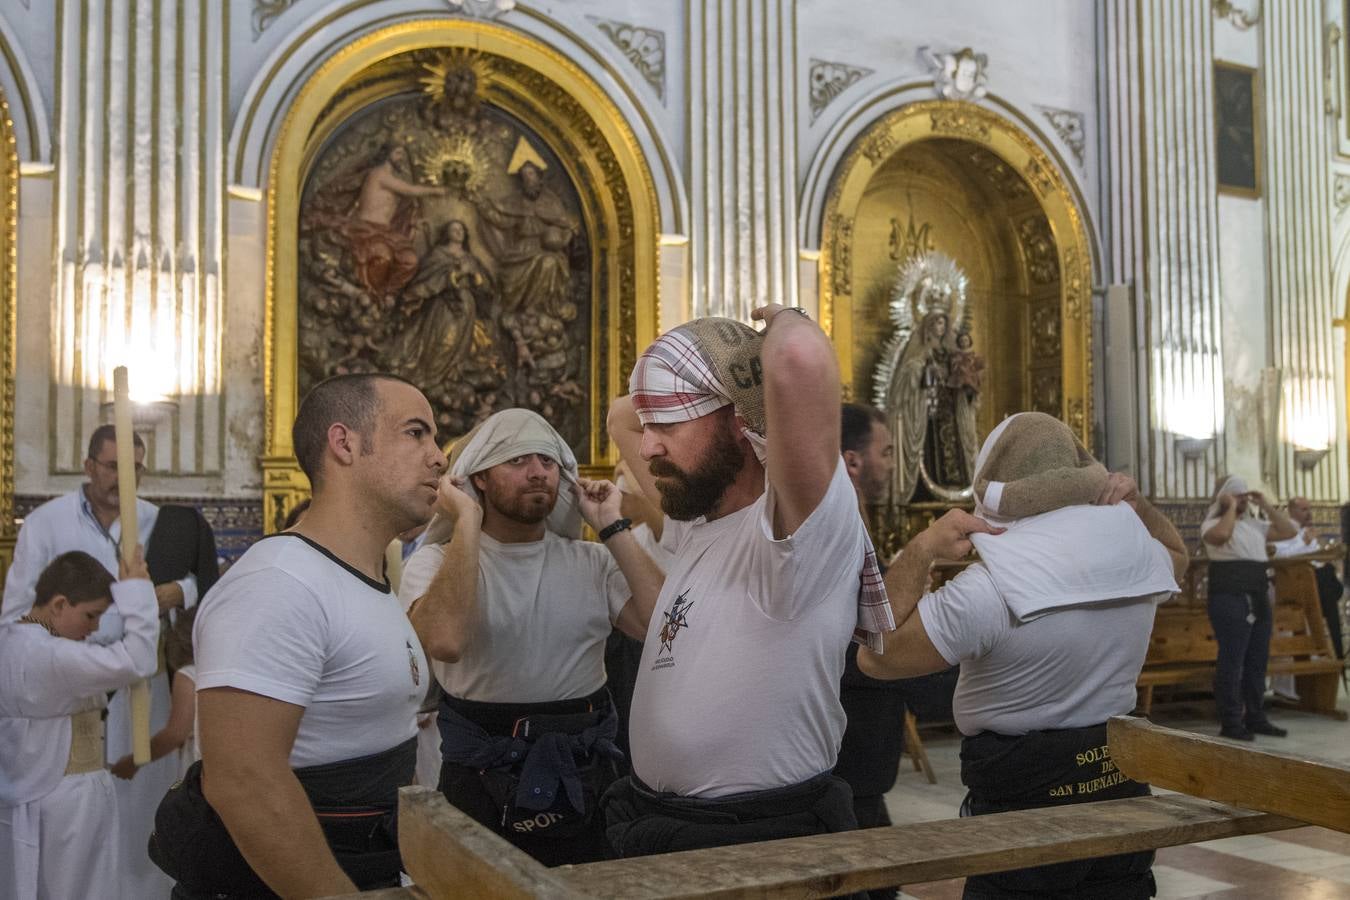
x: 448, y: 854
x: 1314, y: 790
x: 831, y: 864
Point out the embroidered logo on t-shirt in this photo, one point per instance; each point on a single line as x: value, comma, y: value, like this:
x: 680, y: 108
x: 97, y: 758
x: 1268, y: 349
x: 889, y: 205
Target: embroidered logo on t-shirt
x: 676, y: 620
x: 412, y: 664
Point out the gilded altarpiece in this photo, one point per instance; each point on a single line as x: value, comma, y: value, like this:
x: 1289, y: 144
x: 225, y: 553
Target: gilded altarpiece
x: 955, y: 181
x: 471, y: 213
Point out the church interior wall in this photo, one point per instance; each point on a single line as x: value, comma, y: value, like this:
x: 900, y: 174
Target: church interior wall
x: 742, y: 146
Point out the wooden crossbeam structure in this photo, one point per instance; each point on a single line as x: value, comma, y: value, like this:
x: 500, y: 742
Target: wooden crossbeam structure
x: 450, y: 855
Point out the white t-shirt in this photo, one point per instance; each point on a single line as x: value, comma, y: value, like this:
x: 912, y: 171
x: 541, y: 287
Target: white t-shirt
x: 292, y: 622
x: 544, y: 613
x: 1069, y: 668
x: 1248, y: 540
x: 738, y: 688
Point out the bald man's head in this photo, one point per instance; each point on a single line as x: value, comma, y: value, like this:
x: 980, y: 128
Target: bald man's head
x: 1300, y: 511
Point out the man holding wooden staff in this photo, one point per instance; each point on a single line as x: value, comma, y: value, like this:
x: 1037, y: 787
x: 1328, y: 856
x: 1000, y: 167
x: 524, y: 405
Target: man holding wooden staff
x: 309, y: 674
x: 90, y: 519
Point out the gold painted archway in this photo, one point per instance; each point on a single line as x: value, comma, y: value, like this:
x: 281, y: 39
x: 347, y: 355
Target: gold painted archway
x: 563, y: 105
x: 916, y: 136
x: 9, y: 221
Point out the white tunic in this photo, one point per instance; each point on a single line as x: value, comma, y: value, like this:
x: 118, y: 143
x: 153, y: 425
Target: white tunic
x: 68, y: 523
x: 58, y: 834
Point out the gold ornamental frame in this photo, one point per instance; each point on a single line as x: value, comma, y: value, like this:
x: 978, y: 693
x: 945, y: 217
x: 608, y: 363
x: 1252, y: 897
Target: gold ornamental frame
x: 949, y: 119
x: 543, y: 89
x: 9, y: 202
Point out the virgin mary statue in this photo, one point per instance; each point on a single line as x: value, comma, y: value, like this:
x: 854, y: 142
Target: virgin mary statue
x: 931, y: 409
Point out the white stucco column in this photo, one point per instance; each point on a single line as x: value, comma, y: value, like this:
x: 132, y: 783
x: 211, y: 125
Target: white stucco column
x: 742, y: 161
x: 1298, y: 248
x: 1159, y: 222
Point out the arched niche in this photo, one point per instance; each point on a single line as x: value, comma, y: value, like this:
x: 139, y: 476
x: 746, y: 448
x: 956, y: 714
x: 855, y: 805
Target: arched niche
x: 560, y: 104
x: 997, y: 203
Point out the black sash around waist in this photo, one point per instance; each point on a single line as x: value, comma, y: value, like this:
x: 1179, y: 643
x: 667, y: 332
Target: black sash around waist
x: 1042, y: 768
x: 355, y: 801
x: 1052, y: 768
x: 501, y: 718
x: 1237, y: 576
x: 640, y: 821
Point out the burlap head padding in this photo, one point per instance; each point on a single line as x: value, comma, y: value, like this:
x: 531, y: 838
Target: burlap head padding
x: 732, y: 350
x: 1034, y: 466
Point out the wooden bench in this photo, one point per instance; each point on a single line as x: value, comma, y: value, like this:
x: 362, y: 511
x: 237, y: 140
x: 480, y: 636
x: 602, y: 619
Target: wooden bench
x: 450, y: 855
x: 1182, y: 649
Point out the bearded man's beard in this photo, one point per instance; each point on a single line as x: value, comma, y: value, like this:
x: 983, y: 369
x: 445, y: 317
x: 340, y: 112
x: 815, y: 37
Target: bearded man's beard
x: 688, y: 495
x: 523, y: 506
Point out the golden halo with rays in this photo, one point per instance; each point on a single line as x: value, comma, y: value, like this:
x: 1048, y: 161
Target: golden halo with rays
x: 453, y: 162
x: 433, y: 81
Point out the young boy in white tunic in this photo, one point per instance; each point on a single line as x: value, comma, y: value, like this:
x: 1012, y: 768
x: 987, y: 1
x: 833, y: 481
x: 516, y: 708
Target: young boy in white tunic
x: 59, y: 834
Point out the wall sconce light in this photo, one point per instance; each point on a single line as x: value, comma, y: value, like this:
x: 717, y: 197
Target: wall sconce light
x: 1193, y: 448
x: 145, y: 414
x: 1306, y: 459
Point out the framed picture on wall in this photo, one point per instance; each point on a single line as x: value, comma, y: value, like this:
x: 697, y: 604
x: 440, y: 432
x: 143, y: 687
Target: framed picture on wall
x: 1237, y: 130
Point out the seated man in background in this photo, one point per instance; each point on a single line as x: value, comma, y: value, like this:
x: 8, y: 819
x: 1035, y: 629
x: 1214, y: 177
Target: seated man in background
x: 1329, y: 586
x: 1050, y: 629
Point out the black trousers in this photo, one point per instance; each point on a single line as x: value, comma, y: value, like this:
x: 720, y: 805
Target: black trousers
x: 1242, y: 624
x: 1329, y: 591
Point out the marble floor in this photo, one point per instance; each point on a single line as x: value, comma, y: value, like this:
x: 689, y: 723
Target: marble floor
x: 1305, y: 863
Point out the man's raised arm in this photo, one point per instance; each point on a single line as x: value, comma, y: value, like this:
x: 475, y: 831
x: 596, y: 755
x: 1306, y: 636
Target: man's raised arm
x: 443, y: 614
x: 801, y: 401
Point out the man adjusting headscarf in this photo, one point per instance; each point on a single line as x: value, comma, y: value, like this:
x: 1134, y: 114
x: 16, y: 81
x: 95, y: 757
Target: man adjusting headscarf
x: 1050, y: 628
x: 707, y: 364
x: 735, y: 434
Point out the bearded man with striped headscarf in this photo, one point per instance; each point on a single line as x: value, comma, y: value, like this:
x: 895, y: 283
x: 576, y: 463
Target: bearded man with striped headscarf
x: 736, y: 719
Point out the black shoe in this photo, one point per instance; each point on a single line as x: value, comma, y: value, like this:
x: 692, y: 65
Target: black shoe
x: 1236, y: 733
x: 1269, y: 729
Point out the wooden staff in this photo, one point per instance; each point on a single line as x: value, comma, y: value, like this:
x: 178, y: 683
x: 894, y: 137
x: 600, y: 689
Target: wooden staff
x: 126, y: 495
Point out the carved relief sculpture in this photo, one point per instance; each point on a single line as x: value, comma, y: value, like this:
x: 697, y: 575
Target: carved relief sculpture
x: 959, y: 75
x: 928, y: 381
x: 441, y: 240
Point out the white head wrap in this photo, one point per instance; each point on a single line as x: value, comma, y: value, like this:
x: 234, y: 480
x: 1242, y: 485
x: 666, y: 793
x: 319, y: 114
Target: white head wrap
x: 519, y: 432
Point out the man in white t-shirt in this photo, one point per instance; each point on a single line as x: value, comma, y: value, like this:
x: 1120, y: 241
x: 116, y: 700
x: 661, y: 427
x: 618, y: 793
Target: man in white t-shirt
x: 514, y: 612
x: 309, y: 674
x: 1239, y: 604
x: 736, y: 435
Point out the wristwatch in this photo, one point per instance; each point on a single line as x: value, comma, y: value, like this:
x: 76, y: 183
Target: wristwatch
x: 614, y: 528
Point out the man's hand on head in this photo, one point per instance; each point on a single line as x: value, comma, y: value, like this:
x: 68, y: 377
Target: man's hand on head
x: 949, y: 536
x: 1120, y: 488
x: 453, y: 504
x: 599, y: 501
